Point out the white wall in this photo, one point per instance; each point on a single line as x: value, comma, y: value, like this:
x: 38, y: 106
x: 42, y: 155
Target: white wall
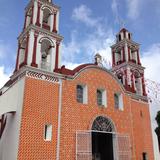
x: 154, y: 108
x: 14, y: 99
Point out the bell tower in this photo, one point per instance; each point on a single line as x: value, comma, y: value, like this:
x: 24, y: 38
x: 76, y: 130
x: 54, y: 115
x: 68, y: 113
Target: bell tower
x: 126, y: 63
x: 39, y: 43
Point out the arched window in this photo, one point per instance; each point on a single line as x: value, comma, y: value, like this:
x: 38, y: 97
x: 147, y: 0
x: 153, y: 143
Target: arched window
x: 46, y: 19
x: 80, y: 93
x: 103, y: 124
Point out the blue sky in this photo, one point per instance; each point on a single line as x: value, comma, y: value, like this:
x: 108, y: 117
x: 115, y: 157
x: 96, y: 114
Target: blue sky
x: 88, y: 27
x: 84, y: 22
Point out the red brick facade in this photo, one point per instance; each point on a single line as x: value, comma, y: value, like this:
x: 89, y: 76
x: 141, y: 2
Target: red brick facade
x: 41, y: 107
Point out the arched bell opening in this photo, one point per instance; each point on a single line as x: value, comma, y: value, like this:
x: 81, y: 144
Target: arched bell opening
x: 120, y: 77
x: 138, y: 82
x: 22, y: 50
x: 46, y: 54
x: 46, y: 22
x: 29, y: 17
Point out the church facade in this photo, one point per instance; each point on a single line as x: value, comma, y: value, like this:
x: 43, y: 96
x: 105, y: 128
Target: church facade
x: 89, y: 113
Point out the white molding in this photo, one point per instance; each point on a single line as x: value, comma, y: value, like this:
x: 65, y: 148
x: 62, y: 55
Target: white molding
x: 59, y: 121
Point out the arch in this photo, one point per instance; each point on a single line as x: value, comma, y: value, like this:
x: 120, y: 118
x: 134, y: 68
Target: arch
x: 46, y: 7
x: 136, y: 73
x: 103, y: 123
x: 46, y: 38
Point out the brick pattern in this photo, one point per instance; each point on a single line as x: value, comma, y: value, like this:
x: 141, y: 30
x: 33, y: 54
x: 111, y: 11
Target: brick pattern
x: 77, y: 116
x: 142, y: 129
x: 41, y: 107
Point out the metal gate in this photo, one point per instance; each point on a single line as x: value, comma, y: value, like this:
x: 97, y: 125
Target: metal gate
x: 84, y: 145
x: 121, y: 146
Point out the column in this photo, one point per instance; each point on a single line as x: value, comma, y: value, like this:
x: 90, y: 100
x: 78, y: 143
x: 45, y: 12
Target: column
x: 124, y: 34
x: 143, y: 85
x: 55, y: 23
x: 133, y: 82
x: 25, y: 21
x: 38, y: 15
x: 124, y: 59
x: 17, y: 60
x: 129, y: 53
x: 57, y: 55
x: 113, y: 57
x: 126, y: 79
x: 138, y: 58
x: 32, y: 15
x: 33, y: 64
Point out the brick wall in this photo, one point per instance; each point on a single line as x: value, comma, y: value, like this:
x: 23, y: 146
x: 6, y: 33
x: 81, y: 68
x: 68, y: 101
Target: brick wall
x: 40, y: 108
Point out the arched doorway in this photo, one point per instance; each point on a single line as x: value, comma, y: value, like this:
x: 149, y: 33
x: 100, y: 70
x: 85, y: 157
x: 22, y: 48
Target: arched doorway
x: 103, y: 131
x: 102, y: 142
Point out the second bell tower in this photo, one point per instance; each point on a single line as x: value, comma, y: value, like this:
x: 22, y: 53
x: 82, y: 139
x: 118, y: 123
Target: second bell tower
x: 39, y: 43
x: 126, y: 63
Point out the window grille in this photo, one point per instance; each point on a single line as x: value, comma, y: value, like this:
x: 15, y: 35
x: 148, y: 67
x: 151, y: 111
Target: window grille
x: 116, y: 100
x: 99, y: 97
x: 79, y: 93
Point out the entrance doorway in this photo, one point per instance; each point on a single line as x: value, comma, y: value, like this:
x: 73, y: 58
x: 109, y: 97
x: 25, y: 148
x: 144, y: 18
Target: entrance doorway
x: 102, y: 139
x: 102, y: 146
x: 102, y: 142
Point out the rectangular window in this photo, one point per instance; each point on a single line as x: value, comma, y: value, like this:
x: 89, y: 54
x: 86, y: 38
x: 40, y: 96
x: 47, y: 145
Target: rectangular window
x: 145, y: 156
x: 82, y: 94
x: 118, y: 101
x: 48, y: 132
x: 101, y: 97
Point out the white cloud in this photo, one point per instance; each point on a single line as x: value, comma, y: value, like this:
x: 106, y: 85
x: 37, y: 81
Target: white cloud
x: 4, y: 77
x: 114, y: 7
x: 84, y: 14
x: 133, y: 8
x: 98, y: 40
x: 150, y: 60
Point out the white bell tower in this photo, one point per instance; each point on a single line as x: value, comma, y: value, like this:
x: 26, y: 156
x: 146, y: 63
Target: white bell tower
x: 126, y: 63
x: 39, y: 43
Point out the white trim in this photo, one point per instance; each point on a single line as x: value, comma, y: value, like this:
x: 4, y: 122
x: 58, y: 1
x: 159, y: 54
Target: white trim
x: 59, y: 120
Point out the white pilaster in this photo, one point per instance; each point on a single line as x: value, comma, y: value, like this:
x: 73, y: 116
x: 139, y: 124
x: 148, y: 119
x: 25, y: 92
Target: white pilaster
x: 41, y: 17
x: 30, y: 47
x: 57, y: 23
x: 50, y: 23
x: 122, y: 36
x: 126, y: 51
x: 35, y: 12
x: 39, y: 54
x: 59, y: 57
x: 53, y: 58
